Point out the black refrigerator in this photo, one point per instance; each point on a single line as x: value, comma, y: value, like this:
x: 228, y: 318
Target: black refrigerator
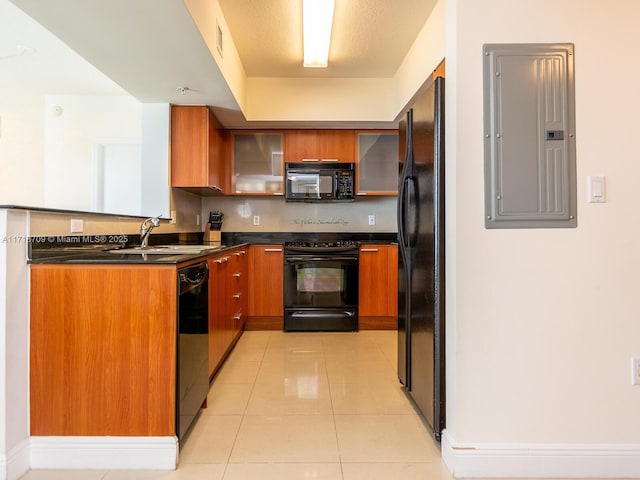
x: 421, y: 255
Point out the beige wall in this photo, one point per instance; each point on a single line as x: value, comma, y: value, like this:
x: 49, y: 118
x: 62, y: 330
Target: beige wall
x: 186, y: 206
x: 542, y: 323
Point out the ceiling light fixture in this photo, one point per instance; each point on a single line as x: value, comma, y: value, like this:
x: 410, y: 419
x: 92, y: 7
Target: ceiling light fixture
x: 317, y: 18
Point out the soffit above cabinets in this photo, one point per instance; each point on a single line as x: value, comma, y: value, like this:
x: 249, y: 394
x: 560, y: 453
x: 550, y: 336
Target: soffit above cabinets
x: 151, y: 48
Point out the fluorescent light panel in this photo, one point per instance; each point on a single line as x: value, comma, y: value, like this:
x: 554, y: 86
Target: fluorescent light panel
x: 317, y: 18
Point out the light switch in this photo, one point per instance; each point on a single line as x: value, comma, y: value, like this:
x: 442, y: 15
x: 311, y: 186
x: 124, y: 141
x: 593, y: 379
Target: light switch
x: 596, y: 190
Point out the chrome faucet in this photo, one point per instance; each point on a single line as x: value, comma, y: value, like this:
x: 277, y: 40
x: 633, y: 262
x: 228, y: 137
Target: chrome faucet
x: 145, y: 230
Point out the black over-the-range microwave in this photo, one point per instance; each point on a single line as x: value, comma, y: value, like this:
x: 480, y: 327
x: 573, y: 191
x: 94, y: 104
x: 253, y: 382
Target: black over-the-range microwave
x: 319, y: 182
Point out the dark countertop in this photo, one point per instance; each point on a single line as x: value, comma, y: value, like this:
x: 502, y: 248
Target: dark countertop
x: 91, y: 249
x: 231, y: 238
x: 105, y: 257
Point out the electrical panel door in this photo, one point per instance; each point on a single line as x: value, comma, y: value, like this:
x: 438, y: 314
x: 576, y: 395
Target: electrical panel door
x: 529, y: 136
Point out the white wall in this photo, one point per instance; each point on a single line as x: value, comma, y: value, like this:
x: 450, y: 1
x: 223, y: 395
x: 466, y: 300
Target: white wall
x: 21, y: 148
x: 156, y: 136
x: 73, y: 126
x: 3, y: 348
x: 14, y: 347
x: 542, y: 323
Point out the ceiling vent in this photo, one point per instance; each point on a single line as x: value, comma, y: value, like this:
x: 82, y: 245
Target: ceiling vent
x: 219, y: 38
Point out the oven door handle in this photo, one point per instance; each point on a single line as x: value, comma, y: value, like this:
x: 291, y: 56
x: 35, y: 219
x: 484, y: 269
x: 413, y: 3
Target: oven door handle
x: 325, y: 314
x: 319, y: 259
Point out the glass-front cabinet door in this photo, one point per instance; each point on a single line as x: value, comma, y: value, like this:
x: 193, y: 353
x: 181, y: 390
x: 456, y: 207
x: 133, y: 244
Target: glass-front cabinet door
x: 377, y: 163
x: 257, y: 163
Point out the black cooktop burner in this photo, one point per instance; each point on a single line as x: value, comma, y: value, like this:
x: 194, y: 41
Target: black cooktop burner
x: 323, y: 244
x: 321, y: 247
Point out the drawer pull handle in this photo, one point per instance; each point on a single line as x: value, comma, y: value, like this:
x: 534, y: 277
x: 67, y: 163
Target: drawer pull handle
x: 237, y: 295
x: 222, y: 260
x: 368, y: 249
x: 237, y: 274
x: 237, y: 316
x: 272, y: 249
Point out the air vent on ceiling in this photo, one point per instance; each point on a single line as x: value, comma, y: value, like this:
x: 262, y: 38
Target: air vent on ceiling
x: 219, y: 38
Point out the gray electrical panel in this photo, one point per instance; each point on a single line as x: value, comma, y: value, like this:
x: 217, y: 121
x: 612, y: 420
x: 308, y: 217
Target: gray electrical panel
x: 529, y: 136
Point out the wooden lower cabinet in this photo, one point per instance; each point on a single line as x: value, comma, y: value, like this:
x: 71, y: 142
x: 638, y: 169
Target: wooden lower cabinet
x: 266, y: 273
x: 239, y: 289
x: 219, y: 325
x: 378, y: 285
x: 227, y: 300
x: 103, y: 350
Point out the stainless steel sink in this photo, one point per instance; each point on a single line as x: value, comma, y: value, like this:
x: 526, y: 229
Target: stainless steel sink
x: 168, y: 250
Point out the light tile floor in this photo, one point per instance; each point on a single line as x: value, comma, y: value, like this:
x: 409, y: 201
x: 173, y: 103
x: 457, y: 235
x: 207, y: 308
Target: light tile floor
x: 325, y: 406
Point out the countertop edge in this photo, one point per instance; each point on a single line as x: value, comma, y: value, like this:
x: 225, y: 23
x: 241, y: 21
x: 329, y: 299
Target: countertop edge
x: 105, y: 258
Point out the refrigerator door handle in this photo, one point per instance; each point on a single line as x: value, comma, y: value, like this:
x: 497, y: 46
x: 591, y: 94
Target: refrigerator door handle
x: 411, y: 210
x: 407, y: 207
x: 402, y: 212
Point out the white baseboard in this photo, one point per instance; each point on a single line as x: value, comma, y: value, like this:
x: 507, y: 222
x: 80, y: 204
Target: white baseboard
x: 541, y: 460
x: 16, y: 462
x: 110, y: 453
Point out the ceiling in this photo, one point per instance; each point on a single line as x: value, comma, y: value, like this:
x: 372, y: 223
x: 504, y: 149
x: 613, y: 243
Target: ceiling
x: 150, y: 48
x: 369, y: 37
x: 35, y: 62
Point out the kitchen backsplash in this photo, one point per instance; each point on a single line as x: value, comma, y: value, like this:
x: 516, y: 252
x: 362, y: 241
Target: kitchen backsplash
x: 275, y: 215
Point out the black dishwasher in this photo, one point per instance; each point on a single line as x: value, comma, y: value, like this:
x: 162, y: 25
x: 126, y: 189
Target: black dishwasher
x: 193, y: 344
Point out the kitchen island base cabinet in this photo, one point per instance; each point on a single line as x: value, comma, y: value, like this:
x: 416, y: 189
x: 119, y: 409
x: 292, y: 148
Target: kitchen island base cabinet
x: 378, y: 284
x: 266, y: 273
x: 103, y: 350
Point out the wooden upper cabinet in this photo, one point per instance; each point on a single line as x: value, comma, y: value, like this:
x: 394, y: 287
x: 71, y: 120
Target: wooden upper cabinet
x: 337, y: 145
x: 300, y: 145
x: 320, y: 146
x: 197, y: 149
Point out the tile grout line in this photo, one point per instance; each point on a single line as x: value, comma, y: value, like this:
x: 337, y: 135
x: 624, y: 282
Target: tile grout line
x: 244, y: 412
x: 333, y: 413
